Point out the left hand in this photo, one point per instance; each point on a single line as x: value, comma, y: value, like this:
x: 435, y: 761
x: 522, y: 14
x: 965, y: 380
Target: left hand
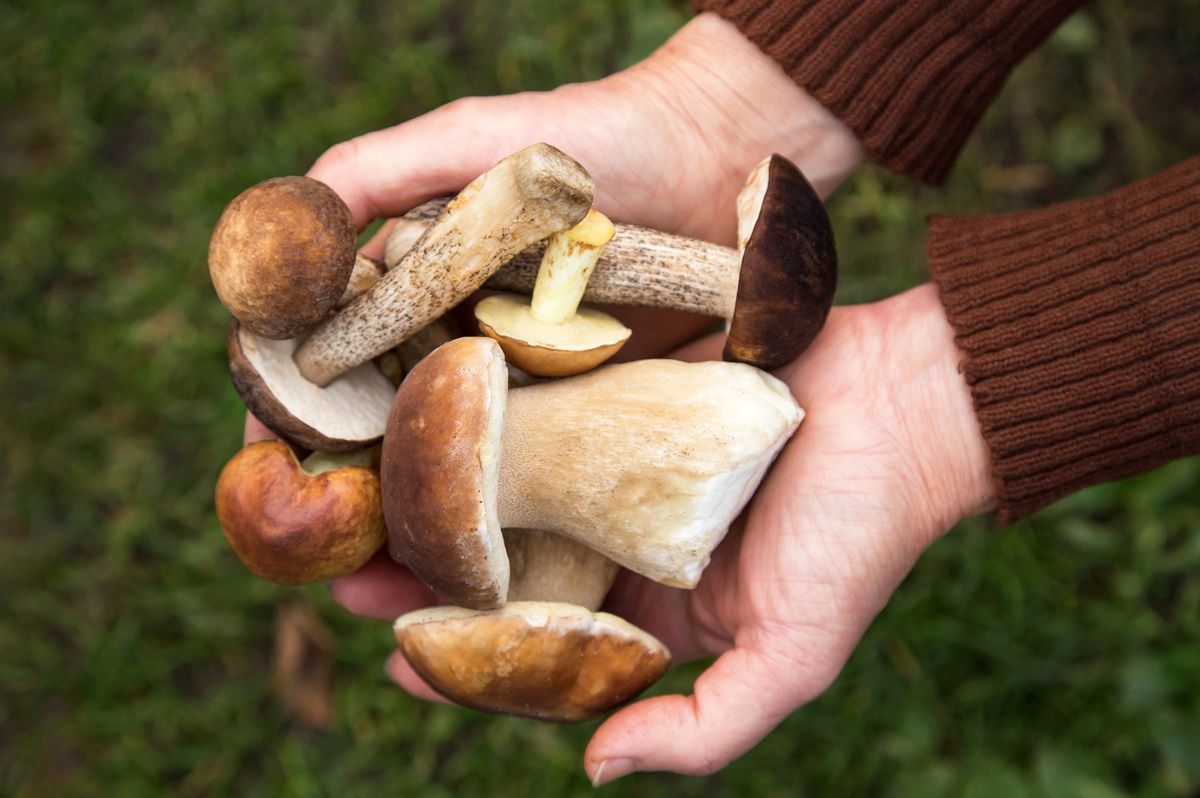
x: 888, y: 458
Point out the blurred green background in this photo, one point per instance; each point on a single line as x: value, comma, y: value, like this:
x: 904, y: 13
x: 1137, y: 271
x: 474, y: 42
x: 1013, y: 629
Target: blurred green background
x: 1057, y: 658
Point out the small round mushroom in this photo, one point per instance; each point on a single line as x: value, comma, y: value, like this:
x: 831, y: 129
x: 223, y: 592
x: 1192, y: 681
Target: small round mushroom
x: 647, y: 463
x: 294, y: 522
x: 776, y: 288
x: 542, y: 660
x: 281, y: 255
x: 549, y: 335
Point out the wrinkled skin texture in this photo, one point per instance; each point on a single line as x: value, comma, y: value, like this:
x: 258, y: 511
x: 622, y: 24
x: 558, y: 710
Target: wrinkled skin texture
x: 887, y: 459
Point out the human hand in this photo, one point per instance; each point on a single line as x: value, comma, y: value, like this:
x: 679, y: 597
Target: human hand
x: 889, y: 456
x: 669, y: 142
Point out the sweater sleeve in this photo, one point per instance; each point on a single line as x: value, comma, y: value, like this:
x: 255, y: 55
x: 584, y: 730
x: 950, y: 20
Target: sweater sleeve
x: 1079, y: 326
x: 910, y: 77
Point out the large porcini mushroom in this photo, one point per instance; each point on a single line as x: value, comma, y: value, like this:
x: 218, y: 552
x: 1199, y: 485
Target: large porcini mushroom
x: 522, y: 199
x: 548, y: 334
x: 646, y: 462
x: 776, y: 288
x: 542, y: 660
x: 281, y: 255
x: 294, y: 522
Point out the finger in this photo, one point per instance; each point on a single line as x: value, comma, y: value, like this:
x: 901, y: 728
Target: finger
x: 377, y: 245
x: 381, y: 589
x: 709, y: 348
x: 657, y: 610
x: 401, y: 673
x: 734, y: 704
x: 386, y: 172
x: 255, y: 430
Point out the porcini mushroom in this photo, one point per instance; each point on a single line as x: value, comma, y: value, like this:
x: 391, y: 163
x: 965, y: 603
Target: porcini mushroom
x: 281, y: 255
x: 646, y: 462
x: 776, y: 288
x: 549, y: 335
x: 349, y: 413
x: 542, y: 660
x: 522, y: 199
x: 294, y: 522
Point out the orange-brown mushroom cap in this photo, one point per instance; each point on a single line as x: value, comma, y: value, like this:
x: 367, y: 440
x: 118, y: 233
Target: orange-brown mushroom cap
x: 293, y: 527
x: 281, y: 255
x: 440, y: 469
x: 788, y: 274
x: 542, y: 660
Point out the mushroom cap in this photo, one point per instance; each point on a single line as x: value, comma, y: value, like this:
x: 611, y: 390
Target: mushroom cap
x: 348, y: 414
x: 541, y: 660
x: 281, y: 255
x: 440, y: 468
x: 549, y: 350
x: 789, y: 267
x: 293, y: 527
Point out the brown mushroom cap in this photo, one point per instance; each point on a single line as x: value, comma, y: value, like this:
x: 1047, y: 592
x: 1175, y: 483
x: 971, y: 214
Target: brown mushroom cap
x: 441, y: 460
x: 541, y: 660
x: 789, y: 267
x: 549, y: 350
x: 348, y: 414
x: 294, y: 526
x: 281, y: 255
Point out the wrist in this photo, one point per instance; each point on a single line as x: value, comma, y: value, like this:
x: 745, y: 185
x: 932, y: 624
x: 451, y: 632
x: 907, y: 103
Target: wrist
x: 745, y: 106
x: 950, y: 460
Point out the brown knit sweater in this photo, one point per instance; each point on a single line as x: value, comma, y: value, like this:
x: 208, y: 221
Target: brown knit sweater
x: 1079, y: 324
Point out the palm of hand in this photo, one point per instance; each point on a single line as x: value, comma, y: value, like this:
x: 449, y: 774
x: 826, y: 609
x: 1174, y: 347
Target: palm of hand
x: 837, y: 524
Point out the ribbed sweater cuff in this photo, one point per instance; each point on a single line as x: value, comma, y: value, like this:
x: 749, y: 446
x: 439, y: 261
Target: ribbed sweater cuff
x: 1080, y: 330
x: 910, y: 77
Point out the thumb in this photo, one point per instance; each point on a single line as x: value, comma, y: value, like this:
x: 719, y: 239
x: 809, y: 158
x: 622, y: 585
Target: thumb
x: 734, y: 704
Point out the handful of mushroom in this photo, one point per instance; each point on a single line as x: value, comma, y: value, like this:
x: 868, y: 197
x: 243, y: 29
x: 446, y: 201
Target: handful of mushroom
x: 517, y: 506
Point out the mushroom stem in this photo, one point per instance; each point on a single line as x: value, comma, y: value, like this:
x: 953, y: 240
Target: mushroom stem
x: 646, y: 462
x: 522, y: 199
x: 363, y: 276
x: 640, y: 266
x: 544, y: 566
x: 566, y: 267
x: 321, y: 462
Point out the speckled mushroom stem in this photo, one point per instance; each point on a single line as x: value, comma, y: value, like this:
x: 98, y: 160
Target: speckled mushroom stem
x: 523, y: 199
x: 640, y: 266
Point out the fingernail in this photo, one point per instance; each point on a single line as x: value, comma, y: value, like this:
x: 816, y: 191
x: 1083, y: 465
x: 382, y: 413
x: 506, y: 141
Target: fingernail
x: 612, y: 769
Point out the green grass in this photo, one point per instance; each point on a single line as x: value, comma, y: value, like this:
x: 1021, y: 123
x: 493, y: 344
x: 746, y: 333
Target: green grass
x: 1057, y: 658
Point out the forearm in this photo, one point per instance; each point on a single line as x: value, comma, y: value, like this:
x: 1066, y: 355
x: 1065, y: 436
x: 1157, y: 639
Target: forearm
x: 1079, y: 326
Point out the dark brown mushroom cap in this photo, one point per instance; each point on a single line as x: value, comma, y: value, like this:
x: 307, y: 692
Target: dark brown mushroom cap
x: 440, y: 468
x: 281, y: 255
x: 293, y: 527
x: 788, y: 274
x: 547, y: 661
x: 348, y: 414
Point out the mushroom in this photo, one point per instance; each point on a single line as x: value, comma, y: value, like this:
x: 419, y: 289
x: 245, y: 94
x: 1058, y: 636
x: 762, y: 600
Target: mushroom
x: 521, y: 200
x: 294, y: 522
x: 646, y: 462
x: 281, y: 255
x: 542, y: 660
x: 349, y: 413
x: 776, y: 289
x: 549, y: 335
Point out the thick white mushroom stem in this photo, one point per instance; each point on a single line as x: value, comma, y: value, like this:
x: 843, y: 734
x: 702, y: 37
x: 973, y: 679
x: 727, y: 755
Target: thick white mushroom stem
x: 640, y: 266
x: 521, y: 200
x: 647, y: 463
x: 544, y: 566
x: 567, y: 266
